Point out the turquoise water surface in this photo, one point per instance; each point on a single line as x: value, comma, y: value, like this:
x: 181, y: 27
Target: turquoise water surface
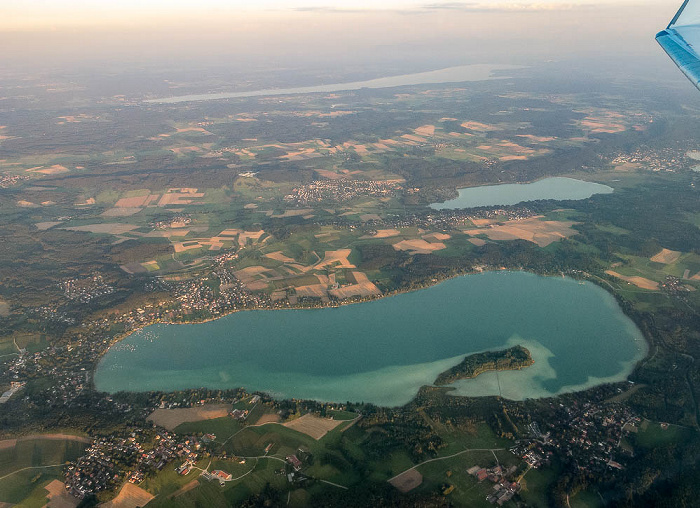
x: 510, y: 194
x: 383, y: 351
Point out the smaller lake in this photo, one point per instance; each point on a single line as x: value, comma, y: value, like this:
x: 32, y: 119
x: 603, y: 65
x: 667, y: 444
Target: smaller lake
x: 559, y: 188
x: 476, y: 72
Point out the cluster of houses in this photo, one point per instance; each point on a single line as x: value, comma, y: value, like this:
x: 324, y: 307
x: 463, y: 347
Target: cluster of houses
x: 450, y: 219
x: 69, y: 364
x: 197, y: 295
x: 97, y: 470
x: 534, y: 452
x: 86, y: 289
x: 176, y: 221
x: 137, y: 477
x: 588, y: 435
x: 10, y: 180
x: 665, y: 159
x: 503, y: 490
x: 319, y: 191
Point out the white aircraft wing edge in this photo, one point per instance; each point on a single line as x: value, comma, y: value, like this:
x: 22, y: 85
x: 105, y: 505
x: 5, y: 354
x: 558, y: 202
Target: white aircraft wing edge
x: 681, y: 40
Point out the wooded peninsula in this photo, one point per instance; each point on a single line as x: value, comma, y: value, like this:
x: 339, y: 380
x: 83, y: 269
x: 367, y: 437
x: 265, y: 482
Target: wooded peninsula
x: 514, y: 358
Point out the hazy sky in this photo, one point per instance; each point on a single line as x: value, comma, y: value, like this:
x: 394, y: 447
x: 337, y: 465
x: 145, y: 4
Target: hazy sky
x: 38, y: 15
x: 297, y: 31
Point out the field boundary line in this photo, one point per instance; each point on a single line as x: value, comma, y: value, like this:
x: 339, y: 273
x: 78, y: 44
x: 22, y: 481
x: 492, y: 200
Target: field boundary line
x: 334, y: 484
x: 31, y: 467
x: 492, y: 450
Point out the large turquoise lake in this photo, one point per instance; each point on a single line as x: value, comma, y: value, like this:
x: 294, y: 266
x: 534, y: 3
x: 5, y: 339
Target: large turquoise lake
x: 559, y: 188
x: 383, y: 351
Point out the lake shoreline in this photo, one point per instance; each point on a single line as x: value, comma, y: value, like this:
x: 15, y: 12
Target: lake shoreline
x: 425, y: 285
x: 356, y: 300
x: 567, y: 184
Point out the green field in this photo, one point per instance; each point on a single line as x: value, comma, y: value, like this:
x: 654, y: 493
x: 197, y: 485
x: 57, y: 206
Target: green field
x: 210, y: 493
x: 586, y: 499
x: 652, y: 435
x: 535, y: 485
x: 222, y: 428
x: 30, y: 465
x: 468, y: 491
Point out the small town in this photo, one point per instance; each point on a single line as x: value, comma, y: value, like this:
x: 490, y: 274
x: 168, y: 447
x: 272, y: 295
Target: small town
x: 657, y: 160
x: 340, y: 190
x: 588, y: 436
x: 108, y: 461
x: 7, y: 181
x: 86, y: 289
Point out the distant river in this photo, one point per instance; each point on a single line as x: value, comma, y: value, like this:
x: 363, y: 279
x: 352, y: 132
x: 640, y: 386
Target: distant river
x: 510, y: 194
x: 477, y: 72
x: 383, y: 351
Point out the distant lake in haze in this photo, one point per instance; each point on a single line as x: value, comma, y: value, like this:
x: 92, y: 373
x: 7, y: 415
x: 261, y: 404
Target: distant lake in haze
x: 383, y: 351
x: 477, y: 72
x: 559, y: 188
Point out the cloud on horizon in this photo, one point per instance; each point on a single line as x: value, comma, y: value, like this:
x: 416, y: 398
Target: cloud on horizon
x: 504, y: 6
x: 495, y: 7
